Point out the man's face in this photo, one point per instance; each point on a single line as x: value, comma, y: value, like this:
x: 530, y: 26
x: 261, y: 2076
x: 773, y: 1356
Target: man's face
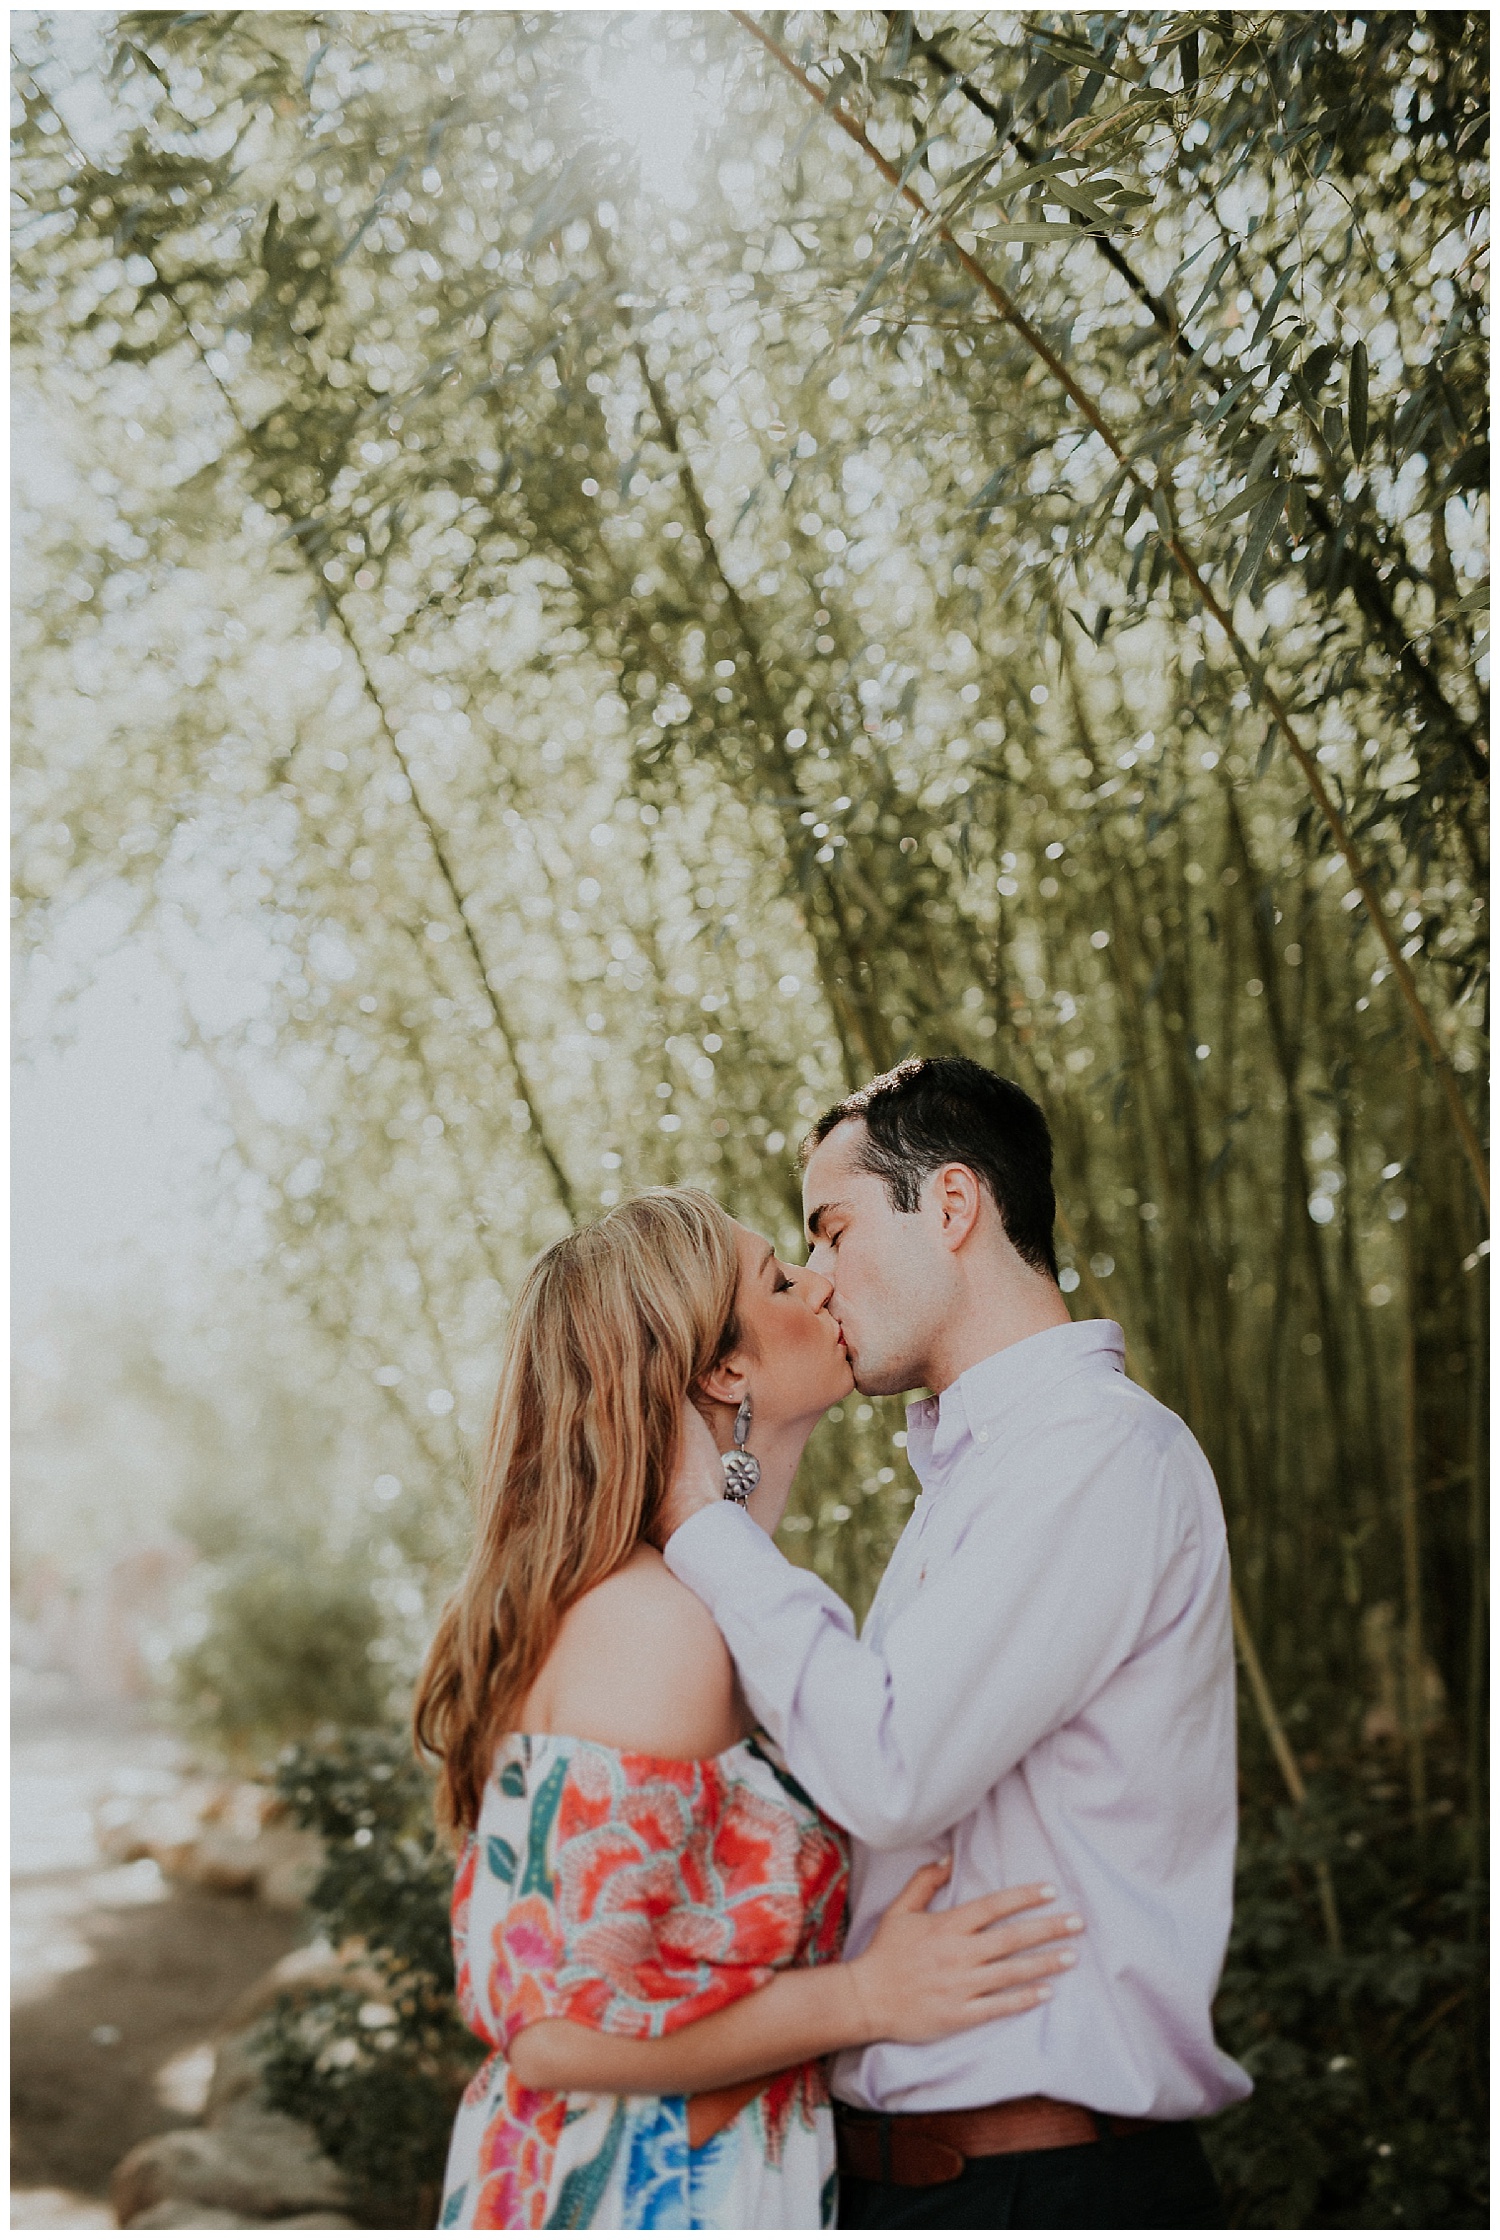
x: 891, y: 1276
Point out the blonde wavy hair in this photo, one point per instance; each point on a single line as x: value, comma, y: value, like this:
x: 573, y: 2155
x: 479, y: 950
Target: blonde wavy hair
x: 613, y: 1328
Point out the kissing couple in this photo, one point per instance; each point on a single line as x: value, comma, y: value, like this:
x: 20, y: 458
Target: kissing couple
x: 980, y: 1853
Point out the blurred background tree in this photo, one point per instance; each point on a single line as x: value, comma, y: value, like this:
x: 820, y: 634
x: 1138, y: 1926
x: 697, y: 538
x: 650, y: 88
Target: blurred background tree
x: 643, y: 567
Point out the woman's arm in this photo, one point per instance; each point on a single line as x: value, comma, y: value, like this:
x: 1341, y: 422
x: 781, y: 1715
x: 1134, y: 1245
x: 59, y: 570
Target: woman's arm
x: 923, y: 1976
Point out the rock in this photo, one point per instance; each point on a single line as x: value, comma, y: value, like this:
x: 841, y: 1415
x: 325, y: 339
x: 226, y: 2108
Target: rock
x: 280, y: 1864
x: 260, y: 2165
x: 236, y: 2076
x: 187, y: 2216
x: 54, y: 2209
x: 166, y: 1829
x: 206, y: 2216
x: 225, y: 1835
x: 290, y: 1862
x: 304, y: 1973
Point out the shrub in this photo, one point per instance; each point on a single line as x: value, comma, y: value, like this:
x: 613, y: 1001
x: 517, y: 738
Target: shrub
x: 286, y: 1642
x: 1369, y: 2104
x: 376, y: 2068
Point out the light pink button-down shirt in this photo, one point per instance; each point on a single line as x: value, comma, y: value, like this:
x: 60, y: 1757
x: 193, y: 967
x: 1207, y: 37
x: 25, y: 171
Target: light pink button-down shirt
x: 1044, y: 1688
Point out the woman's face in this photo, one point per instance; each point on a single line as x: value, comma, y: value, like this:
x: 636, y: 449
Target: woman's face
x: 791, y: 1349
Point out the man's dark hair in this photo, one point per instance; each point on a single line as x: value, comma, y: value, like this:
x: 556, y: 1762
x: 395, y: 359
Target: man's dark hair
x: 928, y: 1111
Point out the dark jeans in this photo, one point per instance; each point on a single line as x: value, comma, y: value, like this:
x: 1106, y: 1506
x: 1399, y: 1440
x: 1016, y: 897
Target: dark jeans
x: 1152, y: 2181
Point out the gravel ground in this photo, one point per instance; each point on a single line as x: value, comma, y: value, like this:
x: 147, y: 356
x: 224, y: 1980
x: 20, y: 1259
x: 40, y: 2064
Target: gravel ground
x: 118, y: 1978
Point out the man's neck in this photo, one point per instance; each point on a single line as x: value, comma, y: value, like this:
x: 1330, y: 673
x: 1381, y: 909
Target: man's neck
x: 992, y: 1325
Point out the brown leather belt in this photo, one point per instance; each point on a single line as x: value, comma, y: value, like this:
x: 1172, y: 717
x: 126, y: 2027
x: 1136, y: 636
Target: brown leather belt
x: 932, y: 2149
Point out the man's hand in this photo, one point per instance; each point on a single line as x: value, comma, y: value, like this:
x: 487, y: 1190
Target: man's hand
x: 697, y: 1477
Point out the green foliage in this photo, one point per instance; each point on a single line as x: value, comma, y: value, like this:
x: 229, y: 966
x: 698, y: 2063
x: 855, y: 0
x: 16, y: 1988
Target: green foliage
x: 377, y: 2069
x: 633, y: 662
x: 1370, y: 2065
x: 285, y: 1646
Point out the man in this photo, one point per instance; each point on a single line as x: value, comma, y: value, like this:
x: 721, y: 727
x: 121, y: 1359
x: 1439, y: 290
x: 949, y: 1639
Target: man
x: 1044, y: 1688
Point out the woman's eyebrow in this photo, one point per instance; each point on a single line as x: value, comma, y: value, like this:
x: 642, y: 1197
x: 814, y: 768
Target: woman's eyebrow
x: 770, y: 1256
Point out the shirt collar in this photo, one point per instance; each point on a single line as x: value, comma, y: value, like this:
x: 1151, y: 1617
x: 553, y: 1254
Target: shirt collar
x: 938, y: 1428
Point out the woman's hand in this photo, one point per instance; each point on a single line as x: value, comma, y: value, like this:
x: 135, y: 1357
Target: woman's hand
x: 927, y: 1975
x: 697, y: 1477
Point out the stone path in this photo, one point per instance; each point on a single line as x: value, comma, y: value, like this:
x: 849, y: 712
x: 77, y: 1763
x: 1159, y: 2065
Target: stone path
x: 118, y: 1977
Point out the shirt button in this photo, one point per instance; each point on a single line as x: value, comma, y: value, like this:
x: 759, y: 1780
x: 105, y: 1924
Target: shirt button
x: 983, y: 1437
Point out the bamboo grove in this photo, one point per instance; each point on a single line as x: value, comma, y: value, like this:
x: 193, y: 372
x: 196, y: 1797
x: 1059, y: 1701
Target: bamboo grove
x: 989, y: 556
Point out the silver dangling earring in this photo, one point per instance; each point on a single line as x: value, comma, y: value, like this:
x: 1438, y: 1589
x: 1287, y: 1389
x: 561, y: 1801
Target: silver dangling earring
x: 741, y: 1470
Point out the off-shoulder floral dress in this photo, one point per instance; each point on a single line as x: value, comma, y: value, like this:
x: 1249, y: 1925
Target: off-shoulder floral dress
x: 637, y: 1894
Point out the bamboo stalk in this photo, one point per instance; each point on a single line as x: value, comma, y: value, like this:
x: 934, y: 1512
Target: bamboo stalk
x: 560, y: 1182
x: 1411, y: 1533
x: 1260, y: 1691
x: 550, y: 1159
x: 1287, y: 1046
x: 1475, y: 1705
x: 1285, y: 1758
x: 1157, y: 497
x: 856, y: 1007
x: 1479, y: 1592
x: 1132, y: 972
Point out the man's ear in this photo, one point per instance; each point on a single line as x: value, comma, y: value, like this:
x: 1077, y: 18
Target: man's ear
x: 956, y: 1197
x: 726, y: 1382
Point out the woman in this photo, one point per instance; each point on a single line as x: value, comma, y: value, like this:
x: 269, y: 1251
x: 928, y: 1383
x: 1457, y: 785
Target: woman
x: 648, y: 1911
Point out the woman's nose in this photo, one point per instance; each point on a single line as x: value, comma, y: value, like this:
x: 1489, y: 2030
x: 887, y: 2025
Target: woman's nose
x: 819, y: 1288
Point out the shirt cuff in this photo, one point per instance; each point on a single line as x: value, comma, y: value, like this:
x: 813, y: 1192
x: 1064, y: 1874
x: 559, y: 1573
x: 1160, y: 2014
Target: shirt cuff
x: 715, y: 1549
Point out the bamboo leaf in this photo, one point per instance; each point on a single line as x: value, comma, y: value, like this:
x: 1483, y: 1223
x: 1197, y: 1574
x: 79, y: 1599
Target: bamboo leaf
x: 1012, y: 182
x: 1261, y: 530
x: 1084, y: 204
x: 1316, y: 367
x: 1210, y: 284
x: 1040, y: 231
x: 1359, y: 400
x: 1255, y: 493
x: 1075, y: 54
x: 928, y: 140
x: 1272, y: 305
x: 873, y: 285
x: 1227, y: 402
x: 956, y: 184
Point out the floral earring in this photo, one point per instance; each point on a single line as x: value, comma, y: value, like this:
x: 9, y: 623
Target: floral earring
x: 741, y: 1470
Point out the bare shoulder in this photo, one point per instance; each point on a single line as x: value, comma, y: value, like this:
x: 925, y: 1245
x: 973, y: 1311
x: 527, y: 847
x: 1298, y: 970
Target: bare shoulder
x: 640, y: 1664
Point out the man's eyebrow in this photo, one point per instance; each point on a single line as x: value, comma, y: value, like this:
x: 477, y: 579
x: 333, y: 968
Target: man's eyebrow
x: 816, y: 1218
